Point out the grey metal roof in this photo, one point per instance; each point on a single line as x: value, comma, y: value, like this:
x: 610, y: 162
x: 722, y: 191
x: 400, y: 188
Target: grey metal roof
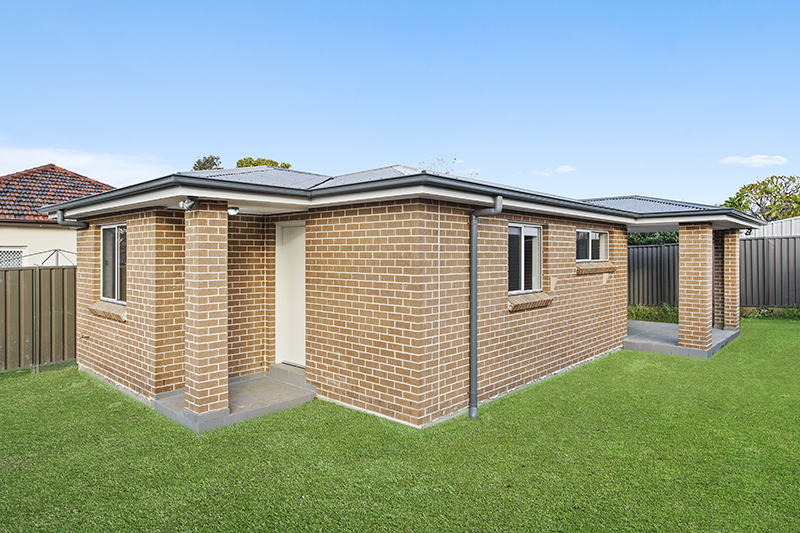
x: 395, y: 171
x: 288, y: 183
x: 645, y: 205
x: 266, y: 175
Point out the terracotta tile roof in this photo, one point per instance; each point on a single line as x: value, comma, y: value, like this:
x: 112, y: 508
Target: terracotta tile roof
x: 22, y: 193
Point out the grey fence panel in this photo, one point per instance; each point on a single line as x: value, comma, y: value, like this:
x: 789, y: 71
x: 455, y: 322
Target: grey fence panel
x: 37, y: 316
x: 770, y: 272
x: 653, y: 274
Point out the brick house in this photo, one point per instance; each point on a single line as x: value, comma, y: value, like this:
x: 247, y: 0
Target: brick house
x: 26, y: 237
x: 191, y: 283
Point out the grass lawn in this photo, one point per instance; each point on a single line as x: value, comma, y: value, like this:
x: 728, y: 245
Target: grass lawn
x: 629, y: 442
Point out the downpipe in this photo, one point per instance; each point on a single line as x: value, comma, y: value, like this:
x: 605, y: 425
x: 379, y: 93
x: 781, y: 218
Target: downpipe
x: 473, y: 300
x: 74, y: 224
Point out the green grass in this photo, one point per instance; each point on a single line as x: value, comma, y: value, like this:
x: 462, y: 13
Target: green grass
x: 629, y: 442
x: 661, y: 313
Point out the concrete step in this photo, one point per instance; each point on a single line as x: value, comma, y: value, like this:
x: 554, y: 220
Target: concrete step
x: 289, y: 374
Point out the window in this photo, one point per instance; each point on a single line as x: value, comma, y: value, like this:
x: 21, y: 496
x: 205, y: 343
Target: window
x: 11, y: 257
x: 524, y: 258
x: 114, y: 262
x: 592, y: 245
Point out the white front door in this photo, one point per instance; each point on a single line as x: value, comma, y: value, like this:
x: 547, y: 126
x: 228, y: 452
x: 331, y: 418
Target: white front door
x: 290, y: 294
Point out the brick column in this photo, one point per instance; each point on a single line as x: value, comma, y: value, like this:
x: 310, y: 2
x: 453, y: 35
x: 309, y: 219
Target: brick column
x: 731, y: 282
x: 696, y: 286
x: 719, y: 278
x: 206, y: 391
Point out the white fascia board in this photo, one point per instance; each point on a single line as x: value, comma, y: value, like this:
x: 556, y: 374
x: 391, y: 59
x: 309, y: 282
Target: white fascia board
x: 437, y: 193
x: 721, y: 221
x: 169, y: 197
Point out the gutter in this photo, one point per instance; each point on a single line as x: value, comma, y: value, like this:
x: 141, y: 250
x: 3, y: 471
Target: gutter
x: 74, y: 224
x: 473, y: 300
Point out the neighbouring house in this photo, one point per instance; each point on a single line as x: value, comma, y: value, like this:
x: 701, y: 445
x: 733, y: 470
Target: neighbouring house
x: 26, y: 237
x: 400, y: 292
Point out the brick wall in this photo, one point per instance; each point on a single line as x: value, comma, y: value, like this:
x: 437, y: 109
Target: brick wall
x: 695, y: 290
x: 387, y: 305
x: 144, y: 353
x: 248, y: 300
x: 387, y: 318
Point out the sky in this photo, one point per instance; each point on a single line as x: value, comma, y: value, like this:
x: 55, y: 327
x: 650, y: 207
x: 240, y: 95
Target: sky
x: 684, y: 100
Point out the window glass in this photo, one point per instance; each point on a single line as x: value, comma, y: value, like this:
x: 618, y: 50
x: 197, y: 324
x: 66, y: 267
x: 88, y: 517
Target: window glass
x: 114, y: 263
x: 122, y: 261
x: 583, y: 245
x: 514, y: 259
x: 592, y: 245
x: 524, y: 258
x: 109, y: 263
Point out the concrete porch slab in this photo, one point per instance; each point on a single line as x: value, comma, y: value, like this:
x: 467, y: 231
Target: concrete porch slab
x: 248, y: 397
x: 658, y: 337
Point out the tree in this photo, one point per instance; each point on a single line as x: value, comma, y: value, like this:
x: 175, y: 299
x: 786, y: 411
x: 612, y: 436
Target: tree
x: 208, y: 162
x: 260, y: 162
x: 770, y: 199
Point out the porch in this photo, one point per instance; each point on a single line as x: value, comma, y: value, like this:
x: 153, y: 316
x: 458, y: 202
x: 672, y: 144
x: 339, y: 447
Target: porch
x: 283, y: 386
x: 658, y: 337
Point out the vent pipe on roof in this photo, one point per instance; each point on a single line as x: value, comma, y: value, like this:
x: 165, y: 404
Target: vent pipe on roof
x: 74, y: 224
x: 473, y: 300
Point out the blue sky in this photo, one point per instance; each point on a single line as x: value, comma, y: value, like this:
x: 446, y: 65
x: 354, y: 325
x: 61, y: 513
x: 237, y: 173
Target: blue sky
x: 683, y: 100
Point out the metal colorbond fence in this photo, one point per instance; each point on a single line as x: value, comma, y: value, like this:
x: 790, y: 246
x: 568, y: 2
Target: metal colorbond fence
x: 37, y: 316
x: 770, y: 272
x: 653, y: 274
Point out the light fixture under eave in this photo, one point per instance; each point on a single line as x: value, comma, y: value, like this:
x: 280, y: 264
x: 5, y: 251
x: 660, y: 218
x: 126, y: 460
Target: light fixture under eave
x: 187, y: 204
x: 233, y: 211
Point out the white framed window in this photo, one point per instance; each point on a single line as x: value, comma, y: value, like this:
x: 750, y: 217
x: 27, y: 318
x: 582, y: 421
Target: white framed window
x: 524, y: 258
x: 114, y: 251
x: 592, y: 245
x: 12, y: 257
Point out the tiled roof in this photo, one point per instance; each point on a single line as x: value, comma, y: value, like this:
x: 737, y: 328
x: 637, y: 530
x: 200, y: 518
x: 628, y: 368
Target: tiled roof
x: 22, y: 193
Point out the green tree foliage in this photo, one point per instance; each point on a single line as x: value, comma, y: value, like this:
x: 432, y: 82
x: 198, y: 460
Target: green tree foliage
x: 656, y: 237
x: 208, y: 162
x: 770, y: 199
x: 260, y: 162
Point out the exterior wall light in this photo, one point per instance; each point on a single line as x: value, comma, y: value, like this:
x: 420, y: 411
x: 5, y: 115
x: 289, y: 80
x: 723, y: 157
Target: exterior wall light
x: 233, y: 211
x: 187, y: 204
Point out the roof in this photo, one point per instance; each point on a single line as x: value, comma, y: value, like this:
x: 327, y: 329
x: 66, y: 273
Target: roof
x: 646, y: 205
x: 273, y: 190
x: 23, y: 193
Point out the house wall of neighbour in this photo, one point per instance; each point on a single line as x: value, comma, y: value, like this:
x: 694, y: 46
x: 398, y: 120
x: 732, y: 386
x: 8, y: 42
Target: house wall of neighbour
x: 32, y: 240
x: 388, y: 307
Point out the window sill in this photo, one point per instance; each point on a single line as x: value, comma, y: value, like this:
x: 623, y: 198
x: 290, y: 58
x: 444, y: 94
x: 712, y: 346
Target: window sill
x: 116, y: 312
x: 596, y: 267
x: 534, y: 300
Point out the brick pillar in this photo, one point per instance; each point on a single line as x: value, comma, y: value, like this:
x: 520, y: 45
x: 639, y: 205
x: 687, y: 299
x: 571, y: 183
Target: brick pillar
x: 731, y: 282
x: 719, y: 278
x: 206, y: 389
x: 696, y: 286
